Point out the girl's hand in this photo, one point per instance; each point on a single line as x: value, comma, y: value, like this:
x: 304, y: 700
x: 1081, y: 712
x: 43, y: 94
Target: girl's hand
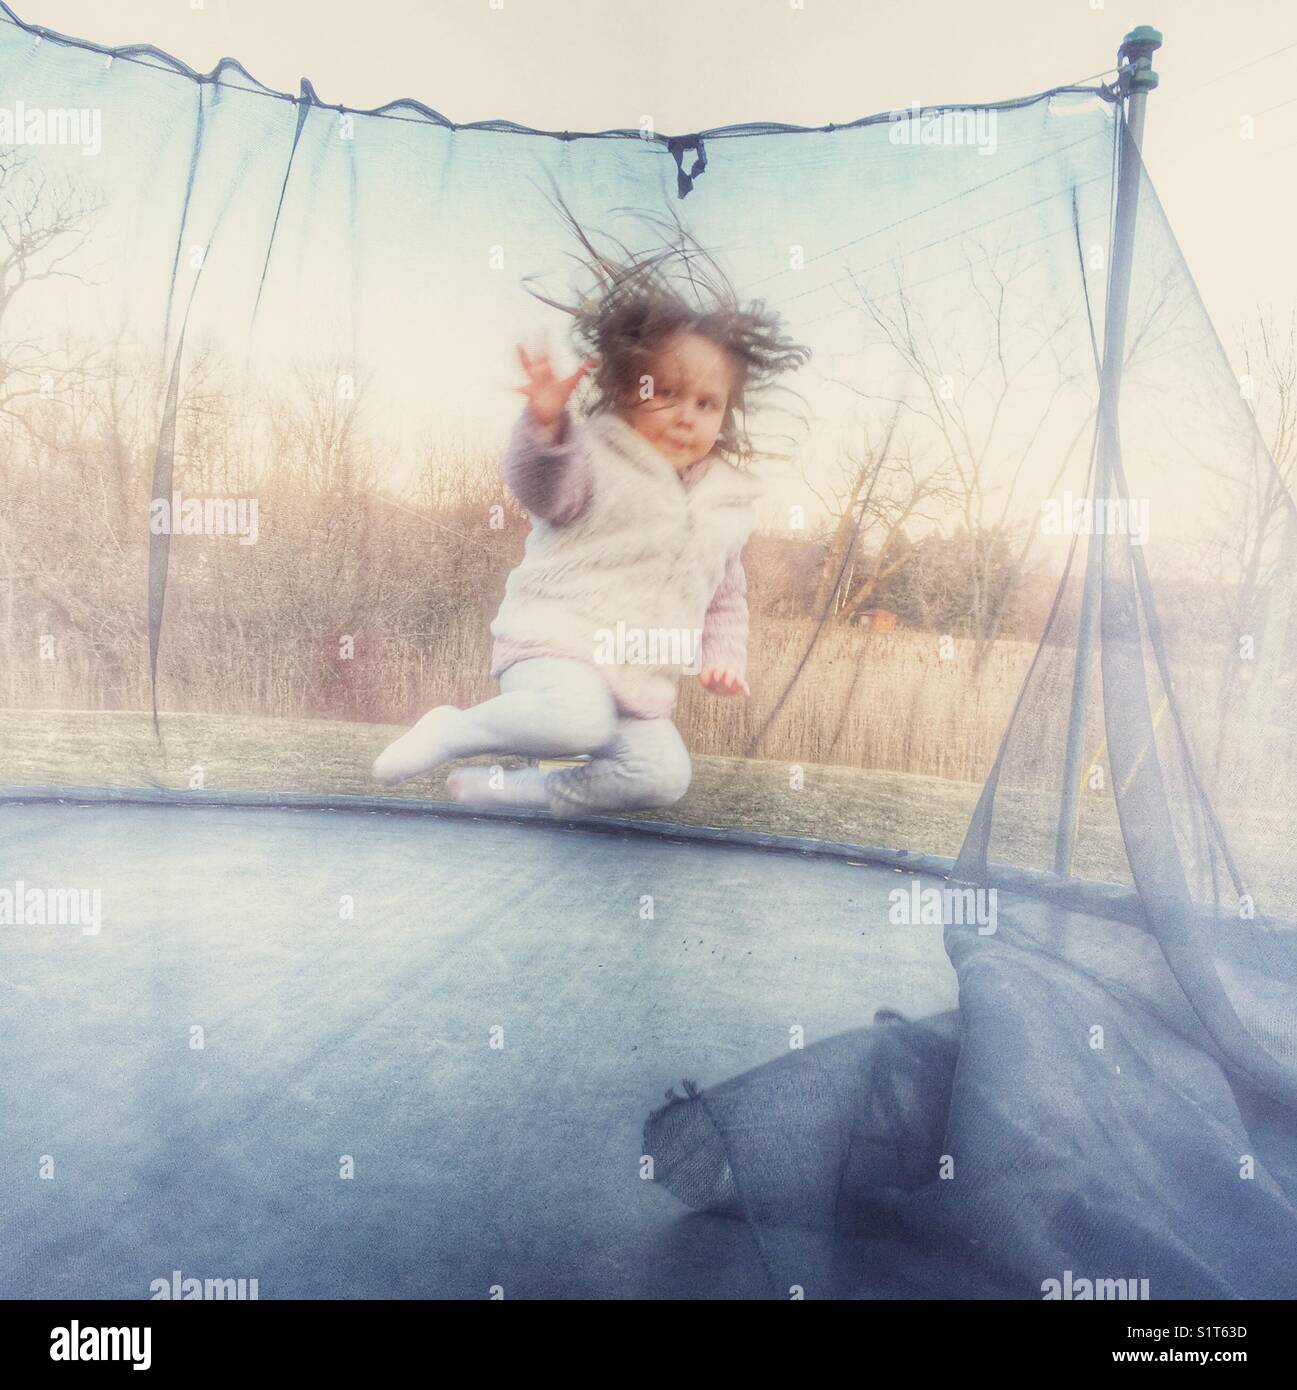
x: 722, y: 682
x: 547, y: 393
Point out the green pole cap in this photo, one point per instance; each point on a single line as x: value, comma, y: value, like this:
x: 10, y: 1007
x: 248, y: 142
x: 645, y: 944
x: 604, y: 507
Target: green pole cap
x: 1136, y: 53
x: 1143, y: 37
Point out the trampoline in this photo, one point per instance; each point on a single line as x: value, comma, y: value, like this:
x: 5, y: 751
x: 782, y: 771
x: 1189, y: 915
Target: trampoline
x: 517, y: 1165
x: 964, y: 974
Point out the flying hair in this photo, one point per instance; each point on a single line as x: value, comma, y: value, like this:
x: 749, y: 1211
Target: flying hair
x: 640, y: 301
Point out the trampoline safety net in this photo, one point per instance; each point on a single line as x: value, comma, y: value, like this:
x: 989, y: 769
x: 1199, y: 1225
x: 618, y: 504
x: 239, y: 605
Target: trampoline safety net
x: 1020, y: 602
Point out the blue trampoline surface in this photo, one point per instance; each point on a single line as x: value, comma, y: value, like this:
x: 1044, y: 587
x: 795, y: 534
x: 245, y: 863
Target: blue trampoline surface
x: 482, y: 1042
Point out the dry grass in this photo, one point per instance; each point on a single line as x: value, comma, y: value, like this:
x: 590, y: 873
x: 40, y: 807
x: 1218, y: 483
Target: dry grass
x: 865, y: 700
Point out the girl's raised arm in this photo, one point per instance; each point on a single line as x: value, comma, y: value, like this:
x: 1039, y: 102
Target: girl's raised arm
x: 546, y: 465
x: 548, y: 469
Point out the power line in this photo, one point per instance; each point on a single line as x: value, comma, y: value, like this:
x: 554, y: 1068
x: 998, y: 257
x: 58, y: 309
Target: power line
x: 1186, y: 92
x: 923, y: 212
x: 1251, y: 63
x: 1287, y: 101
x: 962, y: 231
x: 1081, y: 81
x: 890, y: 294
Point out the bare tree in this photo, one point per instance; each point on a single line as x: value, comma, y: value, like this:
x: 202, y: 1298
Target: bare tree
x: 1258, y: 563
x: 964, y: 391
x: 878, y: 493
x: 42, y: 227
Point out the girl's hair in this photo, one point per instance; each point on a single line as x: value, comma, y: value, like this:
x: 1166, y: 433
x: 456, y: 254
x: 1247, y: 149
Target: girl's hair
x: 638, y: 305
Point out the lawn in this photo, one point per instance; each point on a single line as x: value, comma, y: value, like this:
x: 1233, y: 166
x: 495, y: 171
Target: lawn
x: 91, y: 748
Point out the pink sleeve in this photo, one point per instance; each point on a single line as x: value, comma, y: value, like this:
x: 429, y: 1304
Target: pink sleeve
x: 553, y: 481
x: 725, y: 629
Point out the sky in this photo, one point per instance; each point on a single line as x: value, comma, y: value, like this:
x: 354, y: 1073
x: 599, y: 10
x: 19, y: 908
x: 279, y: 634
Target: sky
x: 693, y: 64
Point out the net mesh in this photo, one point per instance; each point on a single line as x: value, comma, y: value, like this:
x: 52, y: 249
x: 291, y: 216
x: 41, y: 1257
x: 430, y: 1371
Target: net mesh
x: 1022, y: 596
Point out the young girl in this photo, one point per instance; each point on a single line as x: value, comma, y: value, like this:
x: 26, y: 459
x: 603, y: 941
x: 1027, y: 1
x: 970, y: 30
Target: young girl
x: 631, y: 575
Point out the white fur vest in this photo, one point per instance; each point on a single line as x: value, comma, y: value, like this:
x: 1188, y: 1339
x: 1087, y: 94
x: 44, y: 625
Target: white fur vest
x: 626, y: 584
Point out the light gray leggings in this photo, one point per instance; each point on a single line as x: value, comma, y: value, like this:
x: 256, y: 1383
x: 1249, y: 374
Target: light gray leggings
x: 549, y: 706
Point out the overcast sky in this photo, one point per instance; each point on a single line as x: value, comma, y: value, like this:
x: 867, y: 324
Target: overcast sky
x: 691, y: 64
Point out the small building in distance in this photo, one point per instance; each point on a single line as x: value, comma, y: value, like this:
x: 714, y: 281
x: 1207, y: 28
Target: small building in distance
x: 876, y: 619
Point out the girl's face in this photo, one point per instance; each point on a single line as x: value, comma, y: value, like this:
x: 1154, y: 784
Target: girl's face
x: 691, y: 382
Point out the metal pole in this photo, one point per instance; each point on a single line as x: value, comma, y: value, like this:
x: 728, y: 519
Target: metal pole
x: 1136, y: 78
x: 13, y: 655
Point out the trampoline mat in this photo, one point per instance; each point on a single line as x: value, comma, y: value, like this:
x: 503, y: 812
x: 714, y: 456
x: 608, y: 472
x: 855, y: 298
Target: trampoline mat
x: 365, y: 1055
